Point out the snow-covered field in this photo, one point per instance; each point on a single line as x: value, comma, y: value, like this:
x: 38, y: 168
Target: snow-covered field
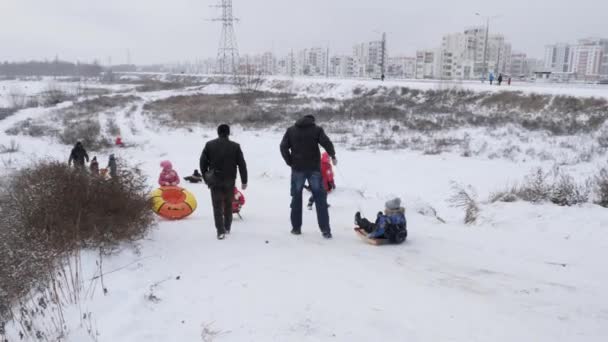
x: 523, y: 272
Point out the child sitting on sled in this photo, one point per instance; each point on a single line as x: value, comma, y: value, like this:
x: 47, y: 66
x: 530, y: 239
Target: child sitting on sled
x: 390, y: 225
x: 327, y: 175
x: 196, y: 177
x: 168, y: 176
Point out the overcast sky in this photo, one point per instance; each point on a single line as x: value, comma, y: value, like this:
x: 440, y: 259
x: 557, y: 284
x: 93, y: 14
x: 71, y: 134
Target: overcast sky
x: 158, y: 31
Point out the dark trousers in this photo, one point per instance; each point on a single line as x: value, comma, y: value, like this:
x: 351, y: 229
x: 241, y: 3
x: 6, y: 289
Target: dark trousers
x: 221, y: 198
x: 298, y: 179
x: 366, y: 225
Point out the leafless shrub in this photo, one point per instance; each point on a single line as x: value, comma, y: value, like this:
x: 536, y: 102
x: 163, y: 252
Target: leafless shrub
x: 535, y: 188
x: 155, y: 85
x: 602, y: 139
x: 87, y: 131
x: 6, y: 112
x: 213, y: 109
x: 54, y: 94
x: 112, y: 128
x: 41, y: 239
x: 95, y: 105
x: 465, y: 198
x: 31, y: 128
x: 248, y: 82
x: 566, y: 192
x: 90, y: 211
x: 17, y: 98
x: 601, y: 184
x: 11, y: 148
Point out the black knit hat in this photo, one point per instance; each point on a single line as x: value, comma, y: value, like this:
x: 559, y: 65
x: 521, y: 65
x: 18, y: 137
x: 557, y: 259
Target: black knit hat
x: 223, y: 130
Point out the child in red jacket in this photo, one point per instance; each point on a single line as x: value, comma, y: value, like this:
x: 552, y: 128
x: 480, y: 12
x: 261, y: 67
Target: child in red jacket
x: 238, y: 201
x: 327, y: 174
x: 168, y: 176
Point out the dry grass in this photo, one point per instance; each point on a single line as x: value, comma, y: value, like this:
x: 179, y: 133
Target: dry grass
x: 465, y: 198
x: 12, y: 147
x: 214, y: 109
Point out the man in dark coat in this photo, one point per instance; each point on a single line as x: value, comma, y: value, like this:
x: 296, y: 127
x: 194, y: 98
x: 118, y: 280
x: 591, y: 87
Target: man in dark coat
x: 78, y: 156
x: 219, y: 162
x: 300, y: 150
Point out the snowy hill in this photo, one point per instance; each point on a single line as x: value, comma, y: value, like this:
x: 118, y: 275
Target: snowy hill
x: 523, y: 272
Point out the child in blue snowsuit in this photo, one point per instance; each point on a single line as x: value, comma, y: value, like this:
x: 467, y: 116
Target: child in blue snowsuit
x: 390, y: 225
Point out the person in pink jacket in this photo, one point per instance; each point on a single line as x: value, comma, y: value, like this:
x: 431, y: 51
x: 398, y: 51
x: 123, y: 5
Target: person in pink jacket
x: 168, y: 176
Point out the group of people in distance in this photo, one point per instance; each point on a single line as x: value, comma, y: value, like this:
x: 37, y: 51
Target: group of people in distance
x: 222, y: 158
x: 499, y: 79
x: 79, y: 157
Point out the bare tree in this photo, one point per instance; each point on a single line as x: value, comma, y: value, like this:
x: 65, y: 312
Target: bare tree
x: 248, y: 81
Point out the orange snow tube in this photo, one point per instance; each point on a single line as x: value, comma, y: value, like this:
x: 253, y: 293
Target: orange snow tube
x: 173, y: 202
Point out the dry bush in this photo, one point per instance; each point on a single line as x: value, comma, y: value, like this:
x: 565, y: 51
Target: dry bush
x: 6, y: 112
x: 16, y: 98
x: 248, y: 83
x: 536, y: 188
x: 154, y: 85
x: 10, y: 148
x: 72, y: 209
x: 31, y: 128
x: 601, y: 184
x: 54, y: 94
x: 213, y: 109
x: 48, y: 213
x: 465, y: 198
x: 87, y: 131
x: 112, y: 128
x: 566, y: 192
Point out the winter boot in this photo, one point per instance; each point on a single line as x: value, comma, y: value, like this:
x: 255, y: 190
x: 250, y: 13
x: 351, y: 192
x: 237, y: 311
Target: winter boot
x: 358, y: 219
x: 296, y: 231
x: 327, y: 235
x: 221, y: 236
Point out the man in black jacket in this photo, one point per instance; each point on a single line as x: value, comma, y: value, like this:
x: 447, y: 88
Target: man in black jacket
x: 78, y: 155
x: 219, y: 162
x: 300, y: 150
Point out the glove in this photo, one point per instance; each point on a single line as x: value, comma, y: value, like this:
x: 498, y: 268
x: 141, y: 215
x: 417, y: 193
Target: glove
x: 244, y: 186
x: 334, y: 161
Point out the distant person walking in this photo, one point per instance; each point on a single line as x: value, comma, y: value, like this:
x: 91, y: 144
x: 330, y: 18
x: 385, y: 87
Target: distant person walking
x: 78, y: 156
x: 219, y: 162
x: 112, y: 166
x: 509, y: 81
x: 300, y: 150
x: 491, y: 78
x: 499, y: 79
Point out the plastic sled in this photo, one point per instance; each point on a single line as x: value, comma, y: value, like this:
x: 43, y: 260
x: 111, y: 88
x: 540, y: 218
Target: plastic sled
x: 376, y: 242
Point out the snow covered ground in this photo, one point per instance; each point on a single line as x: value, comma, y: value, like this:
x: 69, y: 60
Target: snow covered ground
x: 522, y: 273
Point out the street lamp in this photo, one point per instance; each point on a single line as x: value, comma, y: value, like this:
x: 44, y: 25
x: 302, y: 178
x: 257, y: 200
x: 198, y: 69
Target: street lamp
x: 485, y: 46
